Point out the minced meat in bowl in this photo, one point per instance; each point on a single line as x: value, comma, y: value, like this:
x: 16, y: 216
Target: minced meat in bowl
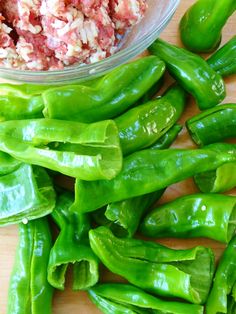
x: 58, y: 41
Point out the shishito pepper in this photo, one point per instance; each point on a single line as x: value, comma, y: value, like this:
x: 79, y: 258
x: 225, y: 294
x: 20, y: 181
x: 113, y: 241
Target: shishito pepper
x: 152, y: 92
x: 213, y: 125
x: 143, y: 125
x: 186, y: 274
x: 196, y: 215
x: 113, y: 94
x: 150, y: 170
x: 124, y: 298
x: 29, y: 290
x: 123, y: 217
x: 20, y: 102
x: 168, y: 138
x: 25, y: 193
x: 126, y: 215
x: 87, y: 151
x: 8, y: 164
x: 221, y: 179
x: 223, y: 61
x: 71, y: 247
x: 192, y: 72
x: 201, y: 25
x: 224, y: 281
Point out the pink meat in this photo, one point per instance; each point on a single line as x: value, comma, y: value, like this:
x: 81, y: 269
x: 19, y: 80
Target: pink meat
x: 50, y: 34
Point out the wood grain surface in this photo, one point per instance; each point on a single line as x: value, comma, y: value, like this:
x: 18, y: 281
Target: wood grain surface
x: 74, y: 302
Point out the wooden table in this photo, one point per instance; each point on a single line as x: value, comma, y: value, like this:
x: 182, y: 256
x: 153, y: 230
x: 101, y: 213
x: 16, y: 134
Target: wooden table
x: 71, y: 302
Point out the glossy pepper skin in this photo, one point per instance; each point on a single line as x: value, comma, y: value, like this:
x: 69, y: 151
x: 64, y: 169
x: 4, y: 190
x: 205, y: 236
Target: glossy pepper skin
x: 72, y: 247
x: 124, y: 298
x: 29, y: 291
x: 152, y: 92
x: 126, y: 215
x: 91, y: 152
x: 113, y: 94
x: 8, y: 164
x: 223, y: 61
x: 26, y: 193
x: 123, y: 217
x: 224, y: 281
x: 20, y: 102
x: 201, y: 25
x: 142, y: 126
x: 164, y: 167
x: 192, y: 72
x: 213, y: 125
x: 196, y: 215
x: 168, y: 138
x: 219, y: 180
x: 155, y: 268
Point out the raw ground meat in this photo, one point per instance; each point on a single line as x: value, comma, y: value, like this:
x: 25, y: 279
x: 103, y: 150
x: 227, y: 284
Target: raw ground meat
x: 51, y: 34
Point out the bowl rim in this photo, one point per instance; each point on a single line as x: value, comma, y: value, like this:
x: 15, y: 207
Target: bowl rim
x: 82, y: 71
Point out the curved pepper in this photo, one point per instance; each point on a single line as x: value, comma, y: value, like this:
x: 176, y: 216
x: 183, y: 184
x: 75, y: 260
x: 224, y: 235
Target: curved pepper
x: 29, y: 291
x: 128, y: 213
x: 186, y: 274
x: 213, y: 125
x: 142, y: 126
x: 123, y: 217
x: 89, y: 152
x: 26, y: 193
x: 168, y: 138
x: 201, y: 25
x: 115, y: 93
x: 151, y: 93
x: 224, y: 281
x: 124, y: 298
x: 8, y: 164
x: 223, y: 61
x: 72, y: 247
x: 219, y: 180
x: 150, y: 170
x: 192, y: 72
x: 20, y: 102
x: 197, y: 215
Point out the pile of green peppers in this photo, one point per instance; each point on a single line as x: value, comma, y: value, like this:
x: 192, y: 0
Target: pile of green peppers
x: 113, y: 137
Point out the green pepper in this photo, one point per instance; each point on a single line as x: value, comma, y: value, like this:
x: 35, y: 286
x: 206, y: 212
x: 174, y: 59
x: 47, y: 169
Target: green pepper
x: 26, y: 193
x: 152, y: 92
x: 127, y: 299
x: 201, y: 25
x: 124, y: 217
x: 213, y: 125
x: 168, y: 138
x: 142, y: 126
x: 219, y: 180
x: 20, y: 102
x: 29, y: 291
x: 197, y: 215
x: 150, y: 170
x: 113, y: 94
x: 128, y: 213
x: 8, y: 164
x: 224, y: 281
x: 192, y: 72
x: 89, y: 152
x: 71, y: 247
x: 186, y: 274
x: 223, y: 61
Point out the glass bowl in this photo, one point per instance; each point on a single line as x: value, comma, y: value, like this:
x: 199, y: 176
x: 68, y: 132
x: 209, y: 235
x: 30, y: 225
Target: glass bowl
x: 136, y: 41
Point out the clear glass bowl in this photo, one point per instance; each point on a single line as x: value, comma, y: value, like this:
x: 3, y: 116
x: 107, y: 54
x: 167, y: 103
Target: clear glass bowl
x: 136, y: 41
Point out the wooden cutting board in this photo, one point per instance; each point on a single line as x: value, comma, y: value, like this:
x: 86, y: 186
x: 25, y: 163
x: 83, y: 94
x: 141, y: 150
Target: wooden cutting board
x: 74, y: 302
